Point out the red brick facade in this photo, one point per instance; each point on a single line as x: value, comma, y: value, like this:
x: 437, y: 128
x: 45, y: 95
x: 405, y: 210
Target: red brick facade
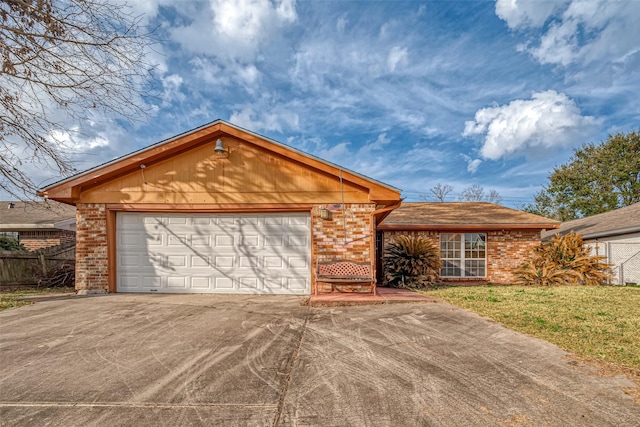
x: 39, y: 239
x: 91, y: 247
x: 330, y: 243
x: 506, y: 249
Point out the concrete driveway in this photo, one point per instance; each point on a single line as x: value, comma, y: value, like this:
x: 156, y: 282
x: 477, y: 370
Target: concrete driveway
x: 237, y: 360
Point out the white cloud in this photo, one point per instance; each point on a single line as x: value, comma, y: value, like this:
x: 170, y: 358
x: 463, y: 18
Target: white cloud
x: 274, y: 120
x: 397, y: 56
x: 578, y: 32
x: 380, y: 143
x: 171, y: 89
x: 336, y: 153
x: 549, y: 119
x: 235, y: 30
x: 526, y: 13
x: 472, y: 165
x: 341, y: 23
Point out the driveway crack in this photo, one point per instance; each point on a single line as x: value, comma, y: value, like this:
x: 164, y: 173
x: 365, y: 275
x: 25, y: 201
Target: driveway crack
x: 294, y: 359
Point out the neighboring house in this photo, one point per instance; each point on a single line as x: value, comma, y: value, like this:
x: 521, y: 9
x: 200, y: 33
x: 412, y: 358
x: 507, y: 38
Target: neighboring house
x: 478, y: 242
x: 219, y: 209
x: 38, y: 225
x: 615, y: 235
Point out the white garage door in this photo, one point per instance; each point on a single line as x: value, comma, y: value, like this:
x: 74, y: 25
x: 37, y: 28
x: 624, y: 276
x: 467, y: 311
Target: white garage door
x: 211, y: 253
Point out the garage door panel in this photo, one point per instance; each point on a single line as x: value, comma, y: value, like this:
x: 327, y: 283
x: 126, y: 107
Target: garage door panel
x: 177, y: 282
x: 200, y: 241
x: 224, y: 241
x: 151, y: 282
x: 177, y: 261
x: 251, y: 284
x: 274, y: 241
x: 198, y: 261
x: 201, y: 283
x: 154, y: 239
x: 248, y: 262
x: 297, y: 283
x: 234, y: 253
x: 224, y: 283
x: 296, y: 241
x: 298, y: 263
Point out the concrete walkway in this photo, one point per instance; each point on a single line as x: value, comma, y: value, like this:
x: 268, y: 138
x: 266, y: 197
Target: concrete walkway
x: 383, y: 296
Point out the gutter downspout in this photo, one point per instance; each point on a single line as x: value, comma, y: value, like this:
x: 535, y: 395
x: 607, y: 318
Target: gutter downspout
x: 373, y: 226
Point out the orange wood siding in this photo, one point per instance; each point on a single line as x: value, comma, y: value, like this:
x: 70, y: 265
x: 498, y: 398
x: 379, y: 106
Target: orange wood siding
x: 250, y: 175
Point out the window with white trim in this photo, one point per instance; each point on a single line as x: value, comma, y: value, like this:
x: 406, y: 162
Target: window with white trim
x: 463, y: 254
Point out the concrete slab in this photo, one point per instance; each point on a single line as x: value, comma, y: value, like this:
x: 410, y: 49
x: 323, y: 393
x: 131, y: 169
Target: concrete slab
x: 435, y: 364
x: 265, y: 360
x: 133, y: 359
x: 382, y: 296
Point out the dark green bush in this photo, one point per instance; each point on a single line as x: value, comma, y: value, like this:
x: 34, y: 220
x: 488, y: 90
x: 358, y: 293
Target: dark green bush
x: 10, y: 244
x: 411, y: 262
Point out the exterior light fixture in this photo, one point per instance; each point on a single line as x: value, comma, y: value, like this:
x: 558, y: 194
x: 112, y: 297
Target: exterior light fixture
x: 220, y: 151
x: 325, y: 213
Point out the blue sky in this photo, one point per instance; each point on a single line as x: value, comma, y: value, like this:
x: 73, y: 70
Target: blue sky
x: 410, y: 93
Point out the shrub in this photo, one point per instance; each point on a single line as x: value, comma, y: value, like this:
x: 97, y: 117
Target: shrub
x: 564, y: 260
x: 411, y: 262
x: 11, y: 244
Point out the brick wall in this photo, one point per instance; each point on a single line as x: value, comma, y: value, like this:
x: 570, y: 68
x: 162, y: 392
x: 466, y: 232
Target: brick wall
x: 331, y: 243
x: 39, y: 239
x: 505, y: 251
x: 91, y: 247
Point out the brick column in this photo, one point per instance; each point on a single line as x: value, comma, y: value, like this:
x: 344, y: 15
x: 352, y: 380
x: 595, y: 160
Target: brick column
x: 329, y: 239
x: 91, y: 248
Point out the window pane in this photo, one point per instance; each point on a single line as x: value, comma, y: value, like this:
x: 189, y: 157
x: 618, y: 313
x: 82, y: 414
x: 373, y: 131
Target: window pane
x: 475, y: 245
x: 450, y: 245
x: 474, y: 268
x: 451, y: 269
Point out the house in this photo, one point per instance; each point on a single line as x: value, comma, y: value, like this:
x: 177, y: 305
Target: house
x: 615, y: 235
x: 38, y: 225
x: 219, y: 209
x: 496, y: 239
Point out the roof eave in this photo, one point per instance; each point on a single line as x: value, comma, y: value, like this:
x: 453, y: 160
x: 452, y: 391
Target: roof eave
x: 450, y: 227
x: 26, y: 227
x: 601, y: 234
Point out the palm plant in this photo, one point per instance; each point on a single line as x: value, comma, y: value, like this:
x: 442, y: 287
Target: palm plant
x: 411, y: 262
x: 564, y: 260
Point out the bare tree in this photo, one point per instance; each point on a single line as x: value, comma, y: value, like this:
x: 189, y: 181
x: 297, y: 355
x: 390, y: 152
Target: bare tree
x: 476, y: 193
x: 494, y: 197
x: 440, y: 191
x: 63, y: 61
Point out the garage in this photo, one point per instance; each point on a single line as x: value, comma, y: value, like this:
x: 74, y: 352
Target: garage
x: 219, y: 209
x: 266, y: 253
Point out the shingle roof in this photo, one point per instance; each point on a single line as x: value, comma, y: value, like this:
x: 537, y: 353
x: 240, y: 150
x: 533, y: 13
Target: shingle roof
x: 33, y: 215
x: 463, y: 214
x: 612, y: 223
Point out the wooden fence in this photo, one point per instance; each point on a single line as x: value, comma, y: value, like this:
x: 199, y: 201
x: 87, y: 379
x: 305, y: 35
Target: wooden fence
x: 26, y: 268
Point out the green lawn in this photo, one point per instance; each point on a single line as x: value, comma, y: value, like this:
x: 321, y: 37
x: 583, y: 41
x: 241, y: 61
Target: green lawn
x: 8, y: 299
x: 594, y: 322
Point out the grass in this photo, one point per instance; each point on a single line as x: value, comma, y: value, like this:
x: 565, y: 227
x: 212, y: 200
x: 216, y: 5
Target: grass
x: 593, y: 322
x: 8, y: 298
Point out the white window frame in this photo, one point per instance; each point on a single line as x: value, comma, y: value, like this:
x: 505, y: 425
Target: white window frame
x: 462, y: 259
